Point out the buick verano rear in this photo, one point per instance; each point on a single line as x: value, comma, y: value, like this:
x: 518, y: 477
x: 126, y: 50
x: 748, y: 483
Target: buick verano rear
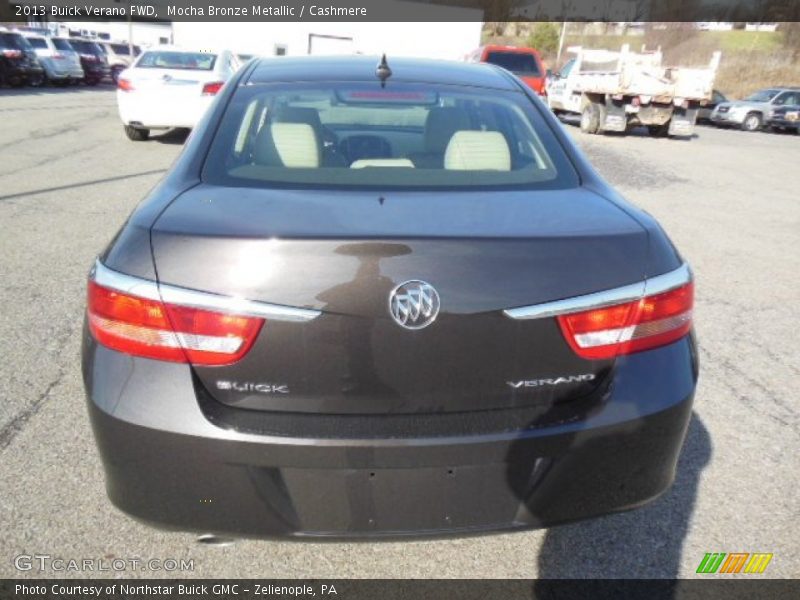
x: 389, y: 300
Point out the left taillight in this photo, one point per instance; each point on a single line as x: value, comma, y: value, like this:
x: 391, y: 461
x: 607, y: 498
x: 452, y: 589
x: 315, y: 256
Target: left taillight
x: 212, y: 88
x: 154, y: 329
x: 125, y: 85
x: 611, y: 331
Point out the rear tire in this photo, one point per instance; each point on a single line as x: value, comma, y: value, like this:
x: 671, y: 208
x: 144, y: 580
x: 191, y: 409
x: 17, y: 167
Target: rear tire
x: 752, y: 122
x: 136, y: 134
x: 590, y: 118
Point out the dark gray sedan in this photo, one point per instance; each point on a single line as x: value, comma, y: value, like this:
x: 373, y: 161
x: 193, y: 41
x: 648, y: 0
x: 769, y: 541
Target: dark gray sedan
x: 385, y: 301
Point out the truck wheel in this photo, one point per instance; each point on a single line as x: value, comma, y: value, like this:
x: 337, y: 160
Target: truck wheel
x: 658, y: 130
x: 136, y: 134
x: 590, y: 118
x: 752, y: 122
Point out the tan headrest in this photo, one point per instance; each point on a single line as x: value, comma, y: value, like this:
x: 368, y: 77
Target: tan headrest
x: 477, y: 151
x: 296, y: 145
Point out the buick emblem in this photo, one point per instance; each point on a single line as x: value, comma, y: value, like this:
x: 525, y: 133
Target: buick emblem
x: 414, y: 304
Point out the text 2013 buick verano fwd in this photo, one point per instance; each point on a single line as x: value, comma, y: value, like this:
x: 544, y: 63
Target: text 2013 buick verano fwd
x: 393, y: 301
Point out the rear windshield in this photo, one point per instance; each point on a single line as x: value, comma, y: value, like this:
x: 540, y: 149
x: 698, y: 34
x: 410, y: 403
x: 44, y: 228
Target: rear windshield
x: 120, y: 49
x: 86, y: 47
x: 37, y: 42
x: 13, y: 40
x: 62, y: 44
x: 161, y: 59
x: 516, y: 62
x: 404, y: 136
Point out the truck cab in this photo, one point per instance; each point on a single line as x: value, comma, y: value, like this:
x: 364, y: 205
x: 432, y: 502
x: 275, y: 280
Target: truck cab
x: 523, y: 62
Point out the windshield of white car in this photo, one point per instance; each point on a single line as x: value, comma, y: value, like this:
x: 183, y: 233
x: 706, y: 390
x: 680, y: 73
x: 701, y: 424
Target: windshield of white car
x: 168, y: 59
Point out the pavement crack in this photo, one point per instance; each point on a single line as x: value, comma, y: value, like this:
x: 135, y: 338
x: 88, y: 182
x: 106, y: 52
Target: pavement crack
x: 17, y: 424
x: 11, y: 429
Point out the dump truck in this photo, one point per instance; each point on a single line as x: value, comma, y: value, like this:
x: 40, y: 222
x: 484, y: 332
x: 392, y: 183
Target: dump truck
x: 616, y: 91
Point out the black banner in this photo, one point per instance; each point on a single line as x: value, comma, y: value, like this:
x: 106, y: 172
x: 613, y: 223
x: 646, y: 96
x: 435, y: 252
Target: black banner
x: 396, y: 589
x: 403, y: 10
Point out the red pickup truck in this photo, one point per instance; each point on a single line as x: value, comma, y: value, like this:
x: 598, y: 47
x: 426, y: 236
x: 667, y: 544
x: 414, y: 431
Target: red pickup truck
x: 525, y: 63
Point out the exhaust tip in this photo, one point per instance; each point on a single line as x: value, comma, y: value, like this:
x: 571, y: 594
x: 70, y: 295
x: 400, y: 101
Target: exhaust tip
x: 209, y: 539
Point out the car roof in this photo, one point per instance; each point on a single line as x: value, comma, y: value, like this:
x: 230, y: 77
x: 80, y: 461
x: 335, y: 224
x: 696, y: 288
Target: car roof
x: 362, y: 68
x: 172, y: 48
x: 503, y: 48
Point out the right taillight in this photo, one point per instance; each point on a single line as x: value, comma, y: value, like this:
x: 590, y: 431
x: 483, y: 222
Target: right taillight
x: 154, y: 329
x: 125, y: 85
x: 652, y: 321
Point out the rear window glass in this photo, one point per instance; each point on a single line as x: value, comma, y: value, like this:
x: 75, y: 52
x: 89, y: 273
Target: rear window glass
x: 405, y: 136
x: 62, y: 44
x: 37, y: 42
x: 516, y: 62
x: 194, y: 61
x: 13, y: 40
x: 86, y: 47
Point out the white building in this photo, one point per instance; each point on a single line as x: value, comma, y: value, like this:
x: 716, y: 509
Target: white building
x: 144, y: 33
x: 431, y: 40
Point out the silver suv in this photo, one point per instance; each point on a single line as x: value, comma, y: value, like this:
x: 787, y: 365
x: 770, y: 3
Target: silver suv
x: 752, y: 113
x: 60, y: 61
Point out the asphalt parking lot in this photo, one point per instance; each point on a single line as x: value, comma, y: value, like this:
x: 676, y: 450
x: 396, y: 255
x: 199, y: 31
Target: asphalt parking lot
x: 731, y: 202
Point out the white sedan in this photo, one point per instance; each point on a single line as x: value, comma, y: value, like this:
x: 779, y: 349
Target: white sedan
x: 170, y: 87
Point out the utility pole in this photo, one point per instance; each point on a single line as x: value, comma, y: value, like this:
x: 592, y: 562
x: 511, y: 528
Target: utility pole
x: 561, y: 43
x: 130, y: 31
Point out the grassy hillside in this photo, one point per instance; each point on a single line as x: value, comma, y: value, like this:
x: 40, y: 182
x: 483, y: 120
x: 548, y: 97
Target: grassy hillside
x: 751, y: 60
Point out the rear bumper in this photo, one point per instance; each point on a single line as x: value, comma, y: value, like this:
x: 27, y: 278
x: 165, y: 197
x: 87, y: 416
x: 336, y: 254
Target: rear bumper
x: 167, y: 464
x: 95, y: 71
x: 781, y: 122
x: 156, y: 113
x: 57, y: 71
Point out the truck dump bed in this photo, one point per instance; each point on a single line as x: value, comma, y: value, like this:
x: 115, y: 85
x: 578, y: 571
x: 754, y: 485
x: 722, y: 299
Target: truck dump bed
x: 641, y: 74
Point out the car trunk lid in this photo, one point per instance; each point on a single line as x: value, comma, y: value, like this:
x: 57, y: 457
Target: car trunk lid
x: 343, y: 253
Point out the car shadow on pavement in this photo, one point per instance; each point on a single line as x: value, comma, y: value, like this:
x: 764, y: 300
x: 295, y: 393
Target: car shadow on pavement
x: 643, y: 543
x: 172, y: 136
